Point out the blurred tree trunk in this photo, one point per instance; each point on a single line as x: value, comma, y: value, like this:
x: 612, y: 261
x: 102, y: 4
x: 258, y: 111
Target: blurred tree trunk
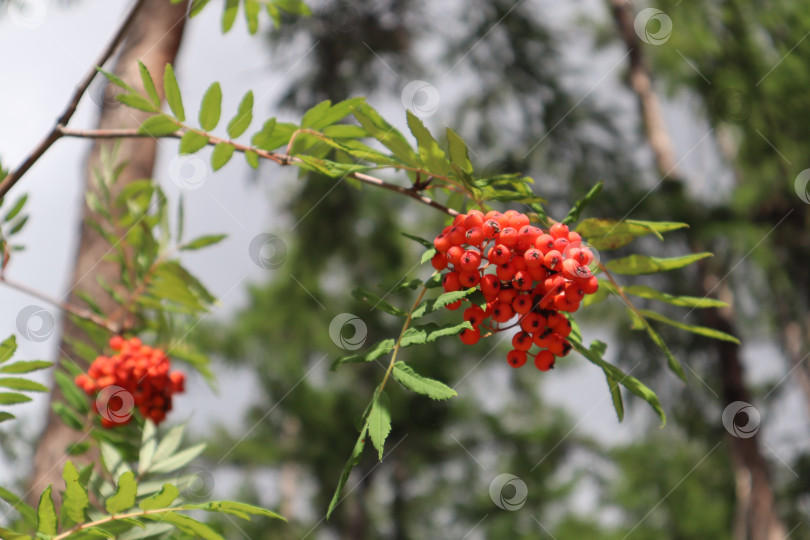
x: 757, y: 517
x: 153, y: 38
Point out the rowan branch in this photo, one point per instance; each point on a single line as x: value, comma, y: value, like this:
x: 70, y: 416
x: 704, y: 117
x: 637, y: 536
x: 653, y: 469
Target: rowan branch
x: 278, y: 158
x: 55, y: 134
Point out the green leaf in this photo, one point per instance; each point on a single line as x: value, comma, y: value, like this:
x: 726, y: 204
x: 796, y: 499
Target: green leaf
x: 580, y: 205
x: 700, y: 330
x: 67, y: 415
x: 427, y: 255
x: 158, y: 126
x: 377, y: 302
x: 378, y: 351
x: 229, y: 15
x: 124, y: 497
x: 644, y: 291
x: 137, y: 102
x: 46, y: 514
x: 240, y: 509
x: 673, y: 363
x: 428, y: 244
x: 646, y: 264
x: 190, y: 526
x: 252, y: 8
x: 595, y: 353
x: 170, y: 442
x: 148, y: 446
x: 18, y: 383
x: 615, y: 396
x: 149, y: 85
x: 173, y: 96
x: 458, y: 151
x: 429, y: 150
x: 203, y: 241
x: 428, y: 333
x: 243, y: 118
x: 72, y: 394
x: 325, y: 114
x: 421, y: 385
x: 221, y: 155
x: 25, y: 366
x: 6, y: 416
x: 353, y: 460
x: 75, y: 500
x: 7, y: 348
x: 26, y: 512
x: 162, y: 499
x: 429, y: 306
x: 191, y: 142
x: 196, y: 7
x: 381, y: 130
x: 16, y: 209
x: 379, y: 422
x: 12, y: 398
x: 252, y: 159
x: 18, y: 226
x: 178, y: 460
x: 211, y: 107
x: 296, y: 7
x: 612, y: 234
x: 6, y: 534
x: 116, y: 80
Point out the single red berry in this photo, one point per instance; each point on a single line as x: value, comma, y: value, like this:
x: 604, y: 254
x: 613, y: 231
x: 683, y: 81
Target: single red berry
x: 534, y: 258
x: 490, y: 286
x: 544, y: 360
x: 470, y: 260
x: 564, y: 328
x: 508, y: 237
x: 522, y: 280
x: 499, y: 254
x: 560, y: 244
x: 516, y: 358
x: 475, y: 218
x: 507, y: 295
x: 454, y: 255
x: 544, y: 242
x: 518, y: 220
x: 522, y: 304
x: 475, y: 315
x: 562, y: 303
x: 590, y: 285
x: 469, y: 279
x: 442, y: 243
x: 559, y: 230
x: 527, y: 235
x: 470, y: 337
x: 457, y: 235
x: 451, y: 282
x: 557, y: 344
x: 574, y: 237
x: 490, y: 228
x: 439, y: 261
x: 475, y: 236
x: 502, y: 312
x: 522, y: 341
x: 574, y: 292
x: 553, y: 260
x: 538, y: 273
x: 506, y: 272
x: 532, y: 323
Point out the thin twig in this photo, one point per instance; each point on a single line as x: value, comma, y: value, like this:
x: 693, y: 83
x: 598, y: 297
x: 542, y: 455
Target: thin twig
x: 280, y: 159
x: 64, y: 306
x: 55, y: 133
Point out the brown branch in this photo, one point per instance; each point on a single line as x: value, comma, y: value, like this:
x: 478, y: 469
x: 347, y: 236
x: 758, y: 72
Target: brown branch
x: 64, y: 306
x: 280, y: 159
x: 55, y: 133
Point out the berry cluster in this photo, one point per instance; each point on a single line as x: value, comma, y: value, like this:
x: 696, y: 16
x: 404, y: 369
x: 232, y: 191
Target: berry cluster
x: 523, y: 273
x: 140, y: 370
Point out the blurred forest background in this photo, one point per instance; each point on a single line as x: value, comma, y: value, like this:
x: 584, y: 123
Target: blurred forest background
x: 568, y: 94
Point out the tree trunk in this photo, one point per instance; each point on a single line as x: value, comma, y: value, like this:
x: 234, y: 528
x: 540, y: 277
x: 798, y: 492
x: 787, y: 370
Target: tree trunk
x: 153, y: 38
x: 757, y: 517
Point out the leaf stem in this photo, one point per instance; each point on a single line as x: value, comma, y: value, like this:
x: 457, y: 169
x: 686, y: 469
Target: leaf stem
x: 109, y: 519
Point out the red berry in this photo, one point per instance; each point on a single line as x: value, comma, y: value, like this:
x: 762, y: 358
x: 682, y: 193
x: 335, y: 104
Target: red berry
x: 553, y: 260
x: 544, y: 360
x: 499, y: 254
x: 475, y: 218
x: 474, y: 314
x: 470, y: 260
x: 490, y: 228
x: 502, y: 312
x: 439, y: 261
x: 470, y: 337
x: 534, y: 258
x: 506, y: 272
x: 457, y: 235
x: 516, y: 358
x: 522, y: 304
x: 560, y: 244
x: 475, y: 236
x: 522, y: 280
x: 454, y: 255
x: 522, y: 341
x: 590, y: 285
x: 544, y: 242
x: 490, y: 286
x: 558, y: 230
x: 469, y: 279
x: 453, y: 305
x: 508, y: 237
x: 451, y: 282
x: 442, y: 243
